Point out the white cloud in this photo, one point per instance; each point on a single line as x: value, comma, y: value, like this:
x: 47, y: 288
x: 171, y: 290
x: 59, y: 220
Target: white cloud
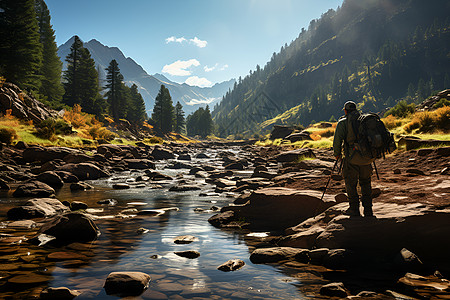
x: 208, y: 69
x: 179, y: 68
x: 199, y: 43
x: 203, y: 101
x: 197, y: 81
x: 173, y: 39
x: 196, y: 41
x: 223, y: 68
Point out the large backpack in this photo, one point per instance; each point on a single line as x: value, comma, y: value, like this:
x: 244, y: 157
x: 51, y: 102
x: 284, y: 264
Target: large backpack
x: 373, y: 140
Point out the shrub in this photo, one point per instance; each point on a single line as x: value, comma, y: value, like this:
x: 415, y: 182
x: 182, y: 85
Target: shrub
x: 47, y: 128
x: 154, y: 140
x: 442, y: 118
x: 442, y: 102
x: 7, y: 135
x: 391, y: 122
x: 401, y: 110
x: 326, y: 132
x: 98, y: 132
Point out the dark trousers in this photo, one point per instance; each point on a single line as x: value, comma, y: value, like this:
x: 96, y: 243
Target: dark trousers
x: 352, y: 175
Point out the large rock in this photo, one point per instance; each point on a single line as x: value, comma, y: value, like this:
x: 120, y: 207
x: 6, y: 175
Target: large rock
x: 280, y: 132
x: 160, y: 154
x: 275, y: 254
x: 294, y: 155
x: 134, y: 163
x: 126, y: 283
x: 84, y: 171
x: 416, y: 226
x: 45, y: 154
x: 59, y: 293
x: 50, y: 178
x: 71, y: 227
x: 34, y: 189
x: 37, y: 208
x: 279, y: 208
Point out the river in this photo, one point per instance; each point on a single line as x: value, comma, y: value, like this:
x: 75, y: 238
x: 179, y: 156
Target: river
x: 121, y: 248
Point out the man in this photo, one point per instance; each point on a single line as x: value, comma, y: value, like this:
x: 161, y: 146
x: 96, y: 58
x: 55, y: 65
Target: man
x: 355, y: 167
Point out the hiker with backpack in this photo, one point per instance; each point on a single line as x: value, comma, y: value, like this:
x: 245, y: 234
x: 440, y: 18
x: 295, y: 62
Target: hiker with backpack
x: 364, y: 138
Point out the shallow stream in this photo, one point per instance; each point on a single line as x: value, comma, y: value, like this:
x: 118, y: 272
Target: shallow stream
x: 121, y: 248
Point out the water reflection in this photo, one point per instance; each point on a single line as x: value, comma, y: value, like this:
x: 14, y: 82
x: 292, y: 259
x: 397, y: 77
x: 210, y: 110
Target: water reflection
x: 121, y: 247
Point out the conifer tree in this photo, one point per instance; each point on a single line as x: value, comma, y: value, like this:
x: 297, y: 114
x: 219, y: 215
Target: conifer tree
x: 163, y: 111
x: 51, y: 88
x: 180, y: 122
x: 81, y: 78
x: 200, y: 122
x: 114, y: 95
x: 136, y: 110
x: 20, y: 48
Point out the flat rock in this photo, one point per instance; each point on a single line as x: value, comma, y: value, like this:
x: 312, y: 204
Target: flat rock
x: 37, y: 208
x: 34, y: 189
x: 274, y: 254
x: 188, y: 254
x: 185, y: 239
x: 56, y: 293
x: 84, y: 171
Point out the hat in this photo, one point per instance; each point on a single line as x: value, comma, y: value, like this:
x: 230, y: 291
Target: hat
x: 349, y: 106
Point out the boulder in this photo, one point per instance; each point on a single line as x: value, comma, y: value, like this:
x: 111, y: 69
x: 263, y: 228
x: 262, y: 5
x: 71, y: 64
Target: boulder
x: 280, y: 132
x: 51, y: 178
x: 45, y: 154
x: 109, y: 148
x: 59, y: 293
x: 67, y: 177
x: 34, y: 189
x: 80, y: 186
x: 185, y: 239
x: 278, y: 208
x: 135, y: 163
x: 275, y: 254
x: 191, y: 254
x: 160, y: 154
x: 231, y: 265
x: 416, y: 225
x: 184, y: 157
x: 425, y: 287
x: 299, y: 136
x: 76, y: 158
x: 121, y: 186
x: 37, y: 208
x: 77, y: 205
x: 84, y: 171
x: 71, y: 227
x: 4, y: 185
x: 294, y: 155
x: 126, y: 283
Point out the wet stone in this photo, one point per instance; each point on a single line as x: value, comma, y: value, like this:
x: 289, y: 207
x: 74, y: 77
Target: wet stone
x: 185, y: 239
x: 65, y: 256
x: 191, y: 254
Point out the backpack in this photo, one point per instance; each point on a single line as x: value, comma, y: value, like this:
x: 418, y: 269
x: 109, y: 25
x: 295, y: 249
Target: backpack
x: 373, y: 140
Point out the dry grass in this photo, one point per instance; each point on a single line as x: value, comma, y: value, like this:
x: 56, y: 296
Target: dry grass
x: 428, y: 122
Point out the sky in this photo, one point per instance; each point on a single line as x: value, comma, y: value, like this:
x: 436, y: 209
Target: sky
x: 198, y: 42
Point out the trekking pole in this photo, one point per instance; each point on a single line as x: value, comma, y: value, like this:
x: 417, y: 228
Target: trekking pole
x: 376, y: 171
x: 329, y: 178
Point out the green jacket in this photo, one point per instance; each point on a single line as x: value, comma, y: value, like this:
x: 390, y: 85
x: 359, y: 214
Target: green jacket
x: 342, y: 136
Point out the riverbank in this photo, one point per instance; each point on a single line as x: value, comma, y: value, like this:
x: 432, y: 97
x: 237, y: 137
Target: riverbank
x: 276, y: 195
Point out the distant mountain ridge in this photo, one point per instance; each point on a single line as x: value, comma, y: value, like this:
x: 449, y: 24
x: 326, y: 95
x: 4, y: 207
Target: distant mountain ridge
x: 191, y: 97
x: 375, y: 52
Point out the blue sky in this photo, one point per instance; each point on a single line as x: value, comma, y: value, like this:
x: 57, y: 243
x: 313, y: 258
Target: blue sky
x: 200, y: 42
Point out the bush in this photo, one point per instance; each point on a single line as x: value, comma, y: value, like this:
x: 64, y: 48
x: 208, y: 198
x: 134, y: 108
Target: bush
x: 391, y: 122
x: 430, y: 121
x: 401, y: 110
x: 442, y: 102
x: 154, y: 140
x: 98, y: 132
x: 7, y: 135
x: 47, y: 128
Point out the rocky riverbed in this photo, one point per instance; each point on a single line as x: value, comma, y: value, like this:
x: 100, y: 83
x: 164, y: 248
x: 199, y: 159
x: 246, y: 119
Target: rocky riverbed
x: 82, y: 223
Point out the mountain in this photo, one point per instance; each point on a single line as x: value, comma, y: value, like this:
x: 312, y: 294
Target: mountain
x: 375, y: 52
x: 191, y: 97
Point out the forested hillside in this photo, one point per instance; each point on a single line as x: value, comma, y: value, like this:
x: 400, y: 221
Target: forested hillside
x: 375, y: 52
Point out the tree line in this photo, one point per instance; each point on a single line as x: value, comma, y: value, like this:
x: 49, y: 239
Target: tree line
x: 388, y: 56
x: 28, y: 58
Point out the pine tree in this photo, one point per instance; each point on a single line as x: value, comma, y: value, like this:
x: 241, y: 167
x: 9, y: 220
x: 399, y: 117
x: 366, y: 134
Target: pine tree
x: 20, y: 48
x: 136, y: 110
x: 72, y: 75
x: 180, y: 122
x: 51, y: 89
x: 89, y: 82
x: 116, y: 94
x: 163, y: 111
x: 200, y: 123
x: 81, y: 78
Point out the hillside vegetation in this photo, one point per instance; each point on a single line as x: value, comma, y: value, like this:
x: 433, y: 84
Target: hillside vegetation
x: 374, y: 52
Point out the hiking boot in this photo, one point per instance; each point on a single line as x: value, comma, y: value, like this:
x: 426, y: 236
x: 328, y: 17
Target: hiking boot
x: 352, y: 212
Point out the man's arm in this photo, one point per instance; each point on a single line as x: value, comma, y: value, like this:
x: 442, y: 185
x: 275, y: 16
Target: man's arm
x: 339, y: 137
